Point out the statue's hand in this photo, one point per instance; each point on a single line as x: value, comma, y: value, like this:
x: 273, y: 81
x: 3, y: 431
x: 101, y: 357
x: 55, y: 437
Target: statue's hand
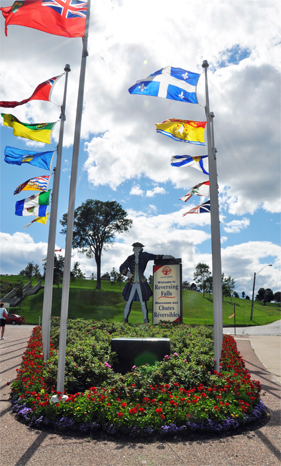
x: 129, y: 274
x: 166, y: 256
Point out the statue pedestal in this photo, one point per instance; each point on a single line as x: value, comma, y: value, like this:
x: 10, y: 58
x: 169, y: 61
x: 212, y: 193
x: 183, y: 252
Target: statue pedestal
x: 138, y: 351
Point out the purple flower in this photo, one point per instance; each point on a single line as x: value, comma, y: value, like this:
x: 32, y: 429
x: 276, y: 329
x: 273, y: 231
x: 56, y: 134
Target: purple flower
x: 134, y: 367
x: 175, y: 354
x: 107, y: 365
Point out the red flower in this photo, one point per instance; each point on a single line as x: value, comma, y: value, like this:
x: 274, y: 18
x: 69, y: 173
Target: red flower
x: 124, y: 405
x: 120, y: 415
x: 8, y: 383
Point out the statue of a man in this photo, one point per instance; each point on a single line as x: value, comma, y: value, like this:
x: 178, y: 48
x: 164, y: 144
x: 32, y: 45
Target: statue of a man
x: 137, y: 288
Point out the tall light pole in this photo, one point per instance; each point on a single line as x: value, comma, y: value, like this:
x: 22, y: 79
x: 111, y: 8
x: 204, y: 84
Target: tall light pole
x: 253, y: 294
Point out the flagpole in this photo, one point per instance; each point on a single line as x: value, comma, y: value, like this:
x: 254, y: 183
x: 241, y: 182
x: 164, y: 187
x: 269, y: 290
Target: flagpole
x: 70, y: 212
x: 48, y: 288
x: 215, y: 229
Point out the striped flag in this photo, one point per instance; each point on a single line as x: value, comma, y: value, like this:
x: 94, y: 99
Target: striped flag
x: 38, y: 183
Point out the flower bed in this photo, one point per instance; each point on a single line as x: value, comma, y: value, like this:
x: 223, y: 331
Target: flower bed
x: 183, y: 393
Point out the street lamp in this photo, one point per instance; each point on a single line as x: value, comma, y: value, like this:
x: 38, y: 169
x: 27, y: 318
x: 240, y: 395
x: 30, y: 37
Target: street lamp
x: 252, y: 308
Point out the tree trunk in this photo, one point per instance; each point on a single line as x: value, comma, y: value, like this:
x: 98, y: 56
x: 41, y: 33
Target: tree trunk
x: 98, y: 262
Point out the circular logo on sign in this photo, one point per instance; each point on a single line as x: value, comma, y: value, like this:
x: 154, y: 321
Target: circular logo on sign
x: 166, y: 270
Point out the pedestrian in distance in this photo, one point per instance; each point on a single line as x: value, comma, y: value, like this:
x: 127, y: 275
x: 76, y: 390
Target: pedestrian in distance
x: 3, y: 315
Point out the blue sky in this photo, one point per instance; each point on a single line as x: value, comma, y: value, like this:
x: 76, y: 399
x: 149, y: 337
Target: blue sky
x: 122, y: 157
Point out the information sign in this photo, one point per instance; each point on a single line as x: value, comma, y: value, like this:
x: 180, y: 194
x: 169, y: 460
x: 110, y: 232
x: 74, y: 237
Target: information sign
x: 167, y: 291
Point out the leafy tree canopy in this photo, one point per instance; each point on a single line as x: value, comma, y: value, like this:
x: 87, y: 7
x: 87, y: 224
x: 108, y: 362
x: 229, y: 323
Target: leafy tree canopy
x: 95, y: 226
x: 202, y: 271
x: 30, y: 271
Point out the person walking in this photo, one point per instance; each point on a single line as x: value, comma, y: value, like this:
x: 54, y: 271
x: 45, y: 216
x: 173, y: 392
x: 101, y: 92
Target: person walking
x: 3, y: 315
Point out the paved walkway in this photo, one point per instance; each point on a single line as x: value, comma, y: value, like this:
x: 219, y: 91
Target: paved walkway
x: 266, y: 342
x: 23, y: 446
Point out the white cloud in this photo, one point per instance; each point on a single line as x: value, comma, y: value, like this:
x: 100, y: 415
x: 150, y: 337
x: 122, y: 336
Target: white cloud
x: 235, y: 226
x: 157, y: 190
x: 136, y: 190
x: 243, y: 95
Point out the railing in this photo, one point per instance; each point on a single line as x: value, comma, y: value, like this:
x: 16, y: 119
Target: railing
x: 32, y: 290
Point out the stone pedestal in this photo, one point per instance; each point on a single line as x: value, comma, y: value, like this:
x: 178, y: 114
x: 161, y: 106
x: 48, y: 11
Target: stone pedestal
x: 138, y: 351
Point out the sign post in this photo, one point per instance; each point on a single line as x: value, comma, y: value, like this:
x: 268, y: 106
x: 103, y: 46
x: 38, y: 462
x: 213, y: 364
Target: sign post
x: 167, y: 291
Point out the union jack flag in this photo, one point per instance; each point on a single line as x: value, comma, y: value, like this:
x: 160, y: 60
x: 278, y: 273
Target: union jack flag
x: 68, y: 8
x: 200, y: 209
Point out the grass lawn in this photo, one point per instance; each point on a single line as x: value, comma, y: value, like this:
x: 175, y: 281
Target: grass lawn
x: 108, y: 304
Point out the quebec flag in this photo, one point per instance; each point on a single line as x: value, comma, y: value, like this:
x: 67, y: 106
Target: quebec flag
x: 169, y: 83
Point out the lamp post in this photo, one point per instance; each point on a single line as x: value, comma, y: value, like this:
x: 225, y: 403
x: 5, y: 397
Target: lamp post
x: 253, y: 294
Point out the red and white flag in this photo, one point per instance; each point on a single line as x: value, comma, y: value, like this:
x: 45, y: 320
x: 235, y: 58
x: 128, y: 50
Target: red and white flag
x: 42, y: 92
x: 59, y: 17
x: 201, y: 189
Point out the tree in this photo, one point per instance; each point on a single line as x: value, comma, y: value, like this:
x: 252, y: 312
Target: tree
x: 260, y: 295
x: 268, y: 296
x: 30, y: 271
x: 95, y: 226
x: 228, y: 285
x: 202, y: 271
x: 116, y: 276
x: 235, y: 294
x: 185, y: 285
x: 277, y: 297
x: 193, y: 287
x: 58, y: 269
x: 76, y: 272
x: 243, y: 294
x: 208, y: 283
x: 247, y: 297
x: 19, y: 290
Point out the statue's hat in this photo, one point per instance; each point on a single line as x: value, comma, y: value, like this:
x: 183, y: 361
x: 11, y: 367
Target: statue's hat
x: 138, y: 245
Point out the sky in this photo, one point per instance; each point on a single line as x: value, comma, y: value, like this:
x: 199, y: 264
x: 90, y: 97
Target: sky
x: 122, y: 157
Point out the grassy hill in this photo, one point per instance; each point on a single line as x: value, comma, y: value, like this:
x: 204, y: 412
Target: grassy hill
x: 88, y: 303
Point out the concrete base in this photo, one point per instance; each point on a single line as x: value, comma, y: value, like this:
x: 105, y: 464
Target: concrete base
x: 55, y: 399
x: 138, y: 351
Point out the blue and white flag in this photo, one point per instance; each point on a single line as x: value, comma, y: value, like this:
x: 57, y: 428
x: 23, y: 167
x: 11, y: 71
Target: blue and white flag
x: 200, y: 209
x: 170, y: 83
x: 35, y: 205
x: 199, y: 162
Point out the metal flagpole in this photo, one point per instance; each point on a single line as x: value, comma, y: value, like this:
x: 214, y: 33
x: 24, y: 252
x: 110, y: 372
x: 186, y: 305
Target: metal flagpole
x: 70, y: 212
x: 215, y: 229
x: 48, y: 288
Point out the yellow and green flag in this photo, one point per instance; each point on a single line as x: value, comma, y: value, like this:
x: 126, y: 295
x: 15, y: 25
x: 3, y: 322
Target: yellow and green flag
x: 40, y: 132
x: 183, y: 130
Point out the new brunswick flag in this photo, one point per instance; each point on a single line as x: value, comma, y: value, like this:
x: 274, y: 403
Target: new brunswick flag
x: 59, y: 17
x: 183, y: 130
x: 40, y: 132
